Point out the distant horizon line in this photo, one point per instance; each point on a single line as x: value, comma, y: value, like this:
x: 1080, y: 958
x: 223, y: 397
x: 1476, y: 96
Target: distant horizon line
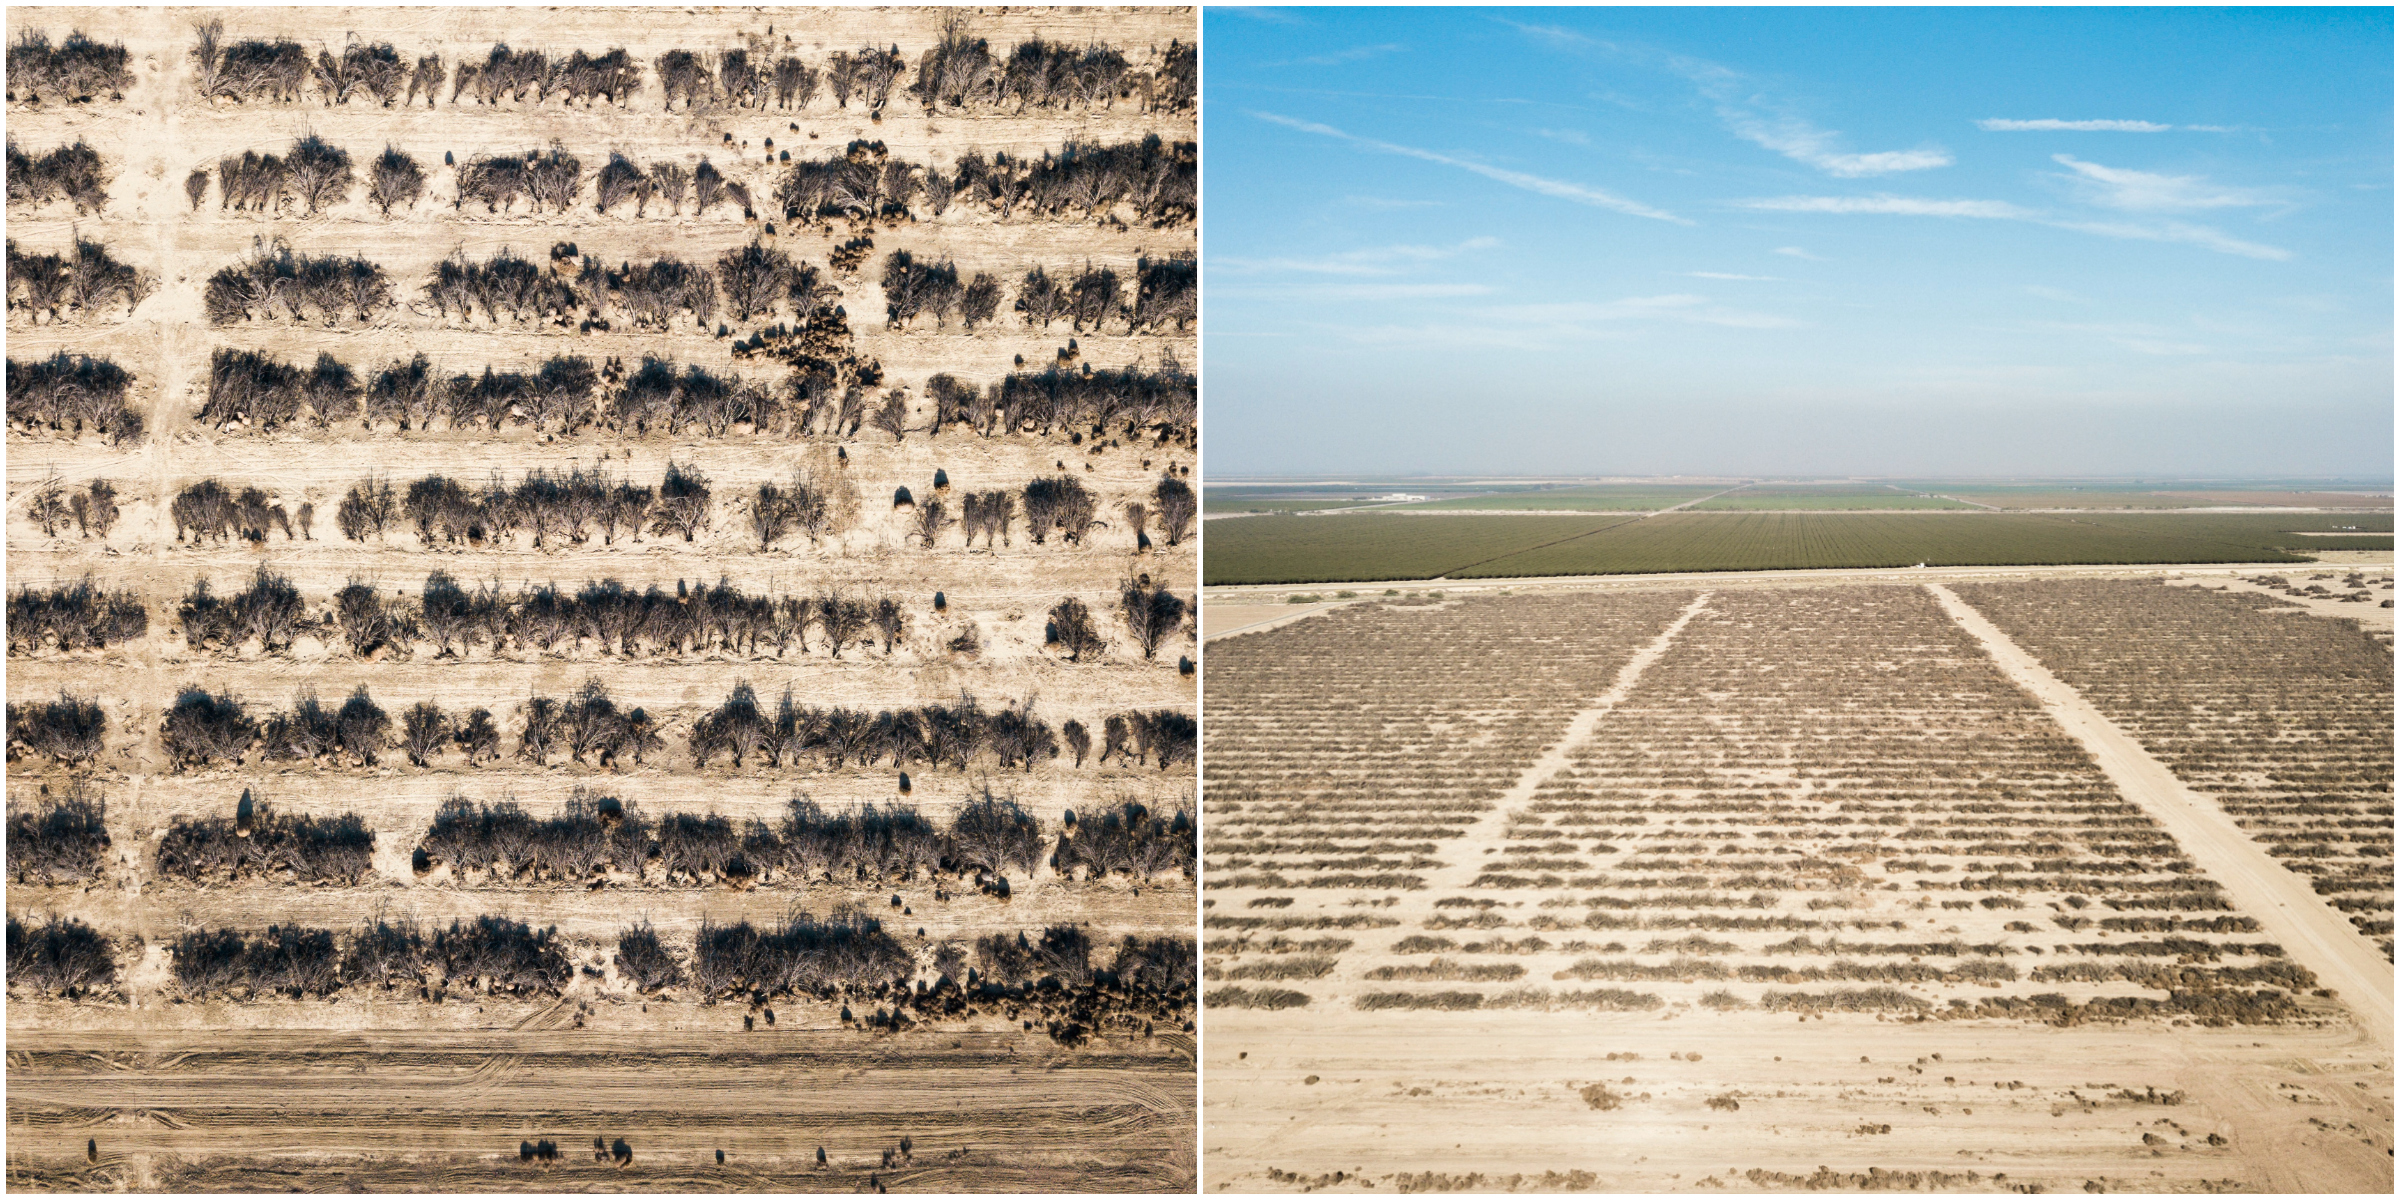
x: 2385, y: 482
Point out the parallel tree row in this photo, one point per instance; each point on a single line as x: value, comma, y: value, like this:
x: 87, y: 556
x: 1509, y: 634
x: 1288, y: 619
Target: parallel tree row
x: 203, y: 729
x: 607, y: 616
x: 67, y: 173
x: 71, y: 394
x: 63, y: 841
x: 84, y: 281
x: 75, y: 71
x: 592, y: 836
x: 252, y: 392
x: 959, y: 72
x: 576, y: 504
x: 861, y: 184
x: 1159, y: 181
x: 847, y: 957
x: 1166, y: 295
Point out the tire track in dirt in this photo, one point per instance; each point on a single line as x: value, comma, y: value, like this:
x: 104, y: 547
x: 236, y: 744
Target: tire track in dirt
x: 2285, y: 904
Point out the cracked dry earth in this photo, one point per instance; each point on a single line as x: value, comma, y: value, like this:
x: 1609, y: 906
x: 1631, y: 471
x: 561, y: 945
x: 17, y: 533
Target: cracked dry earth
x: 1799, y: 888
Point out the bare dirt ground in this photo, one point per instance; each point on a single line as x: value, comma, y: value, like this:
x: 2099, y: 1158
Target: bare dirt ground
x: 268, y: 1109
x: 372, y: 1092
x: 1821, y: 1105
x: 1388, y: 957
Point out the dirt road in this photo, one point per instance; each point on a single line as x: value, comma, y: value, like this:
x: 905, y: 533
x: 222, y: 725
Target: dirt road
x: 327, y: 1110
x: 2284, y: 903
x: 1746, y: 1102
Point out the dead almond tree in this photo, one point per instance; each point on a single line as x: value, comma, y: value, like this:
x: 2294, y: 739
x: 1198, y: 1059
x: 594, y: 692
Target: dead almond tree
x: 844, y: 619
x: 1137, y: 515
x: 1177, y: 506
x: 682, y: 502
x: 1072, y: 630
x: 825, y: 502
x: 891, y: 621
x: 1152, y: 612
x: 932, y: 518
x: 892, y: 416
x: 770, y: 514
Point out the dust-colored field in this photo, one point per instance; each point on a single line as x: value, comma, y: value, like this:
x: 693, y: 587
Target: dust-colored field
x: 1563, y: 920
x: 180, y: 1085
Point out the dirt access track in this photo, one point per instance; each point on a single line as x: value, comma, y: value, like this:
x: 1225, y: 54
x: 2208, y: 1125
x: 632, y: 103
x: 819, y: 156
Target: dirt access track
x: 2281, y: 901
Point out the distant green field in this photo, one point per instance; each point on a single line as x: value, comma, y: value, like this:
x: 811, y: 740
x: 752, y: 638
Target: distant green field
x: 1361, y: 546
x: 1595, y: 498
x: 1378, y: 546
x: 1309, y: 497
x: 1826, y: 497
x: 1269, y: 504
x: 2122, y: 495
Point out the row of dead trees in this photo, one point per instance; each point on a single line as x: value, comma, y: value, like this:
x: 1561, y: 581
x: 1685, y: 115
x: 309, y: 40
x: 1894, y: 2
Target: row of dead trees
x: 960, y: 71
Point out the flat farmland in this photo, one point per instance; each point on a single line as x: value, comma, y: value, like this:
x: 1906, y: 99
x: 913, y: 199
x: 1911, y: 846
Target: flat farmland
x: 711, y: 711
x: 1595, y: 498
x: 1366, y: 547
x: 1824, y: 497
x: 2138, y: 496
x: 1372, y: 546
x: 1759, y: 806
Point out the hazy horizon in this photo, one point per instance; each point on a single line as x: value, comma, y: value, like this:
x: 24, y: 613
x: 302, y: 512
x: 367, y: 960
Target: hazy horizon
x: 1794, y: 242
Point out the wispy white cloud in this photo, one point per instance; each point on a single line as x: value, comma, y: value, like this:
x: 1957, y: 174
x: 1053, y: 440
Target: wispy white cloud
x: 1565, y: 325
x: 2054, y: 125
x: 1797, y: 252
x: 1386, y: 202
x: 1750, y: 115
x: 2000, y: 210
x: 1800, y: 141
x: 1394, y: 291
x: 1558, y: 189
x: 1907, y: 206
x: 1734, y: 277
x: 2145, y: 191
x: 1367, y: 261
x: 1339, y: 57
x: 2180, y: 232
x: 1261, y: 12
x: 2045, y: 124
x: 1573, y: 137
x: 2061, y: 295
x: 1678, y: 307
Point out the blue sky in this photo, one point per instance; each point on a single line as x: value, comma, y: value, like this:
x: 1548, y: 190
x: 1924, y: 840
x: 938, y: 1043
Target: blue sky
x: 1798, y: 241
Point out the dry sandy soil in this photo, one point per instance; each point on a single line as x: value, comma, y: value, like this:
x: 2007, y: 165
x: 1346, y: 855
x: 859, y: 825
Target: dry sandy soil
x: 1814, y: 784
x: 375, y: 1094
